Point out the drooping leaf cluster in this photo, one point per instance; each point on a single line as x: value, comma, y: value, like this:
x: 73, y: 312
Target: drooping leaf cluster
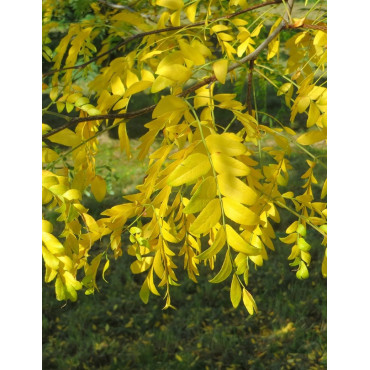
x: 212, y: 188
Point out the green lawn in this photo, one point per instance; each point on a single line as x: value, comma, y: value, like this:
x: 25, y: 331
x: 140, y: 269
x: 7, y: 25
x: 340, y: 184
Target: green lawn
x: 113, y: 329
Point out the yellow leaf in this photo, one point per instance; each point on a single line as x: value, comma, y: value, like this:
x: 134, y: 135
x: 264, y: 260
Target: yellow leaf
x: 144, y: 291
x: 249, y: 302
x: 238, y: 213
x: 188, y: 171
x: 235, y: 292
x: 191, y: 53
x: 225, y: 270
x: 161, y: 83
x: 324, y: 189
x: 123, y: 139
x: 49, y: 155
x: 98, y: 188
x: 227, y: 143
x: 216, y: 246
x: 60, y: 290
x: 320, y: 39
x: 131, y: 78
x: 224, y: 164
x: 65, y: 137
x: 52, y: 243
x: 106, y: 266
x: 137, y: 87
x: 117, y: 86
x: 138, y: 267
x: 302, y: 103
x: 50, y: 260
x: 207, y: 218
x: 239, y: 244
x: 169, y: 103
x: 220, y: 69
x: 72, y: 194
x: 324, y: 265
x: 219, y: 28
x: 206, y: 192
x: 175, y: 72
x: 191, y: 11
x: 236, y: 189
x: 171, y: 4
x: 45, y: 128
x: 312, y: 137
x: 47, y: 226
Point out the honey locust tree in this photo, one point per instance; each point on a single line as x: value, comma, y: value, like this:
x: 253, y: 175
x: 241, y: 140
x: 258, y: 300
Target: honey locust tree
x: 211, y: 188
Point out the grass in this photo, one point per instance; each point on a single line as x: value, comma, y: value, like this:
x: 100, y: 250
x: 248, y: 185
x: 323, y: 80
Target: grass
x: 113, y: 329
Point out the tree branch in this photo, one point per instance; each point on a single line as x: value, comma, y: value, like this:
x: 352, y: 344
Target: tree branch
x: 191, y: 89
x: 162, y: 30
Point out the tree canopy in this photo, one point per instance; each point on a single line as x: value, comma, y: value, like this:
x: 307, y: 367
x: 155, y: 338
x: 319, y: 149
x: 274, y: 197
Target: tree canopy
x: 218, y: 182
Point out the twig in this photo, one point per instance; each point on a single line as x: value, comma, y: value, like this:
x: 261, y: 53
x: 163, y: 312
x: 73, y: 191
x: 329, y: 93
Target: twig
x: 116, y: 6
x: 249, y: 88
x: 162, y: 30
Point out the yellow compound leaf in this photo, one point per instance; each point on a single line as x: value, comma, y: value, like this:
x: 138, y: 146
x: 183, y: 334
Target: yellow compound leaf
x: 98, y: 188
x: 235, y: 292
x: 117, y: 86
x: 171, y: 4
x: 239, y: 213
x: 193, y: 167
x: 169, y: 103
x: 216, y: 246
x: 249, y: 302
x: 207, y: 218
x: 227, y: 143
x: 52, y: 243
x: 204, y: 194
x: 225, y: 270
x: 239, y: 244
x: 224, y: 164
x: 220, y: 69
x: 65, y: 137
x: 232, y: 187
x: 312, y: 137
